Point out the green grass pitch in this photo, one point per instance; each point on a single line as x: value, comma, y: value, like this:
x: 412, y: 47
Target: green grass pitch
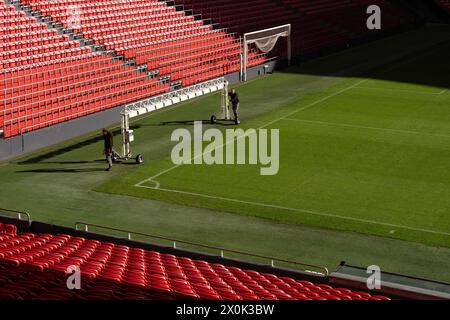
x: 364, y: 166
x: 367, y: 155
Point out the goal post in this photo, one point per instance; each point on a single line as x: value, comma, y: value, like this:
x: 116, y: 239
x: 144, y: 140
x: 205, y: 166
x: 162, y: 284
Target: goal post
x: 265, y: 40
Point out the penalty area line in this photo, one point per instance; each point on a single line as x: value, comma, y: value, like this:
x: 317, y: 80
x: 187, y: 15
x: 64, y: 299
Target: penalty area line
x: 304, y: 211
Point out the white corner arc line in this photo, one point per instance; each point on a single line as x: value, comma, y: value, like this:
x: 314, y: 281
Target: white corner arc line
x: 316, y: 213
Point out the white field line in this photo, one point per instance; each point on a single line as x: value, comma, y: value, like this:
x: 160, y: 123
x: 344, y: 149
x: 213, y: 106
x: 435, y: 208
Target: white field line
x: 158, y: 187
x: 369, y: 128
x: 316, y: 213
x: 400, y: 90
x: 292, y: 113
x: 443, y: 91
x: 139, y: 184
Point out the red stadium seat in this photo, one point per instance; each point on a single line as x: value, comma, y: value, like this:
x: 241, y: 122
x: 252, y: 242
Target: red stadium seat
x: 8, y: 229
x: 33, y: 266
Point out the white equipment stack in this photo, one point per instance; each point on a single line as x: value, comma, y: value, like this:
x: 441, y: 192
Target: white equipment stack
x: 142, y: 107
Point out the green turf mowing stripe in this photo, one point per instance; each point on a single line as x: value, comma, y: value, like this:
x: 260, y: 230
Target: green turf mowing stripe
x: 396, y: 178
x: 401, y: 116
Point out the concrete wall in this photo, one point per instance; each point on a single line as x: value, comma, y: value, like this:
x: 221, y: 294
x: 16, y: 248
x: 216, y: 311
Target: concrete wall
x: 38, y: 139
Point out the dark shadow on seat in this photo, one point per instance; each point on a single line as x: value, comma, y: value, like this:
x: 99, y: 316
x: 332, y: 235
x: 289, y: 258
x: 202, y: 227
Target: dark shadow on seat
x: 429, y: 63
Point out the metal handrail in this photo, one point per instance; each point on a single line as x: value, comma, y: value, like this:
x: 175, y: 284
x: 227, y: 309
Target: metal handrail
x: 86, y: 225
x: 19, y: 214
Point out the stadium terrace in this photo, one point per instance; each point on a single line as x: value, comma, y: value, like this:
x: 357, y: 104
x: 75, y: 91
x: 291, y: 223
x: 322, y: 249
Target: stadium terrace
x: 224, y: 157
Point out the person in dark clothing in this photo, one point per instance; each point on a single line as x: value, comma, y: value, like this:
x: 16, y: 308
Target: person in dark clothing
x: 108, y: 139
x: 235, y: 103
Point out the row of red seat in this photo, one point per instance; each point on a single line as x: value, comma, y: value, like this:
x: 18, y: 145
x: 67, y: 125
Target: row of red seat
x: 27, y: 52
x: 48, y: 79
x: 15, y: 44
x: 33, y: 266
x: 8, y: 229
x: 138, y: 29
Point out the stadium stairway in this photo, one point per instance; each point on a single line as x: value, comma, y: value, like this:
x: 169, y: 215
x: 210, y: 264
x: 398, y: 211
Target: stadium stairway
x: 33, y: 266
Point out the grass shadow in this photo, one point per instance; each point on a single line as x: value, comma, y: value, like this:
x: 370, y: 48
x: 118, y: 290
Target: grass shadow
x: 74, y: 162
x: 60, y: 151
x: 62, y: 170
x: 192, y: 122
